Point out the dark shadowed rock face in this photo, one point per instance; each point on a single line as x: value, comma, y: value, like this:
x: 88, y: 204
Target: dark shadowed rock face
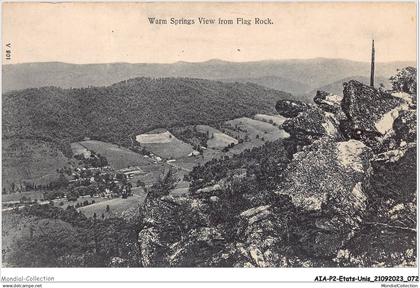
x: 405, y: 126
x: 311, y: 125
x: 388, y: 234
x: 329, y: 178
x: 291, y: 108
x: 369, y: 111
x: 394, y: 174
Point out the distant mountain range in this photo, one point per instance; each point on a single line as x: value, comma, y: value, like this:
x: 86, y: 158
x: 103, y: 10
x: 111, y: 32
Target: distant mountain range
x: 278, y: 83
x: 294, y: 76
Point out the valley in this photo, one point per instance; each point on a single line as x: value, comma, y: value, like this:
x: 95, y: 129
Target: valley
x: 153, y: 154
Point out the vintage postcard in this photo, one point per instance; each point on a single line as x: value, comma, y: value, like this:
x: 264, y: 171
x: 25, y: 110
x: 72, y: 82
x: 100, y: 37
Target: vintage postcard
x: 210, y: 134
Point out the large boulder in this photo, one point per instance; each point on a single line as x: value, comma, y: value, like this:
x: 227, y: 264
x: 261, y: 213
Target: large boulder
x: 330, y: 103
x: 263, y: 233
x: 370, y: 112
x: 329, y: 179
x: 311, y: 125
x: 291, y: 108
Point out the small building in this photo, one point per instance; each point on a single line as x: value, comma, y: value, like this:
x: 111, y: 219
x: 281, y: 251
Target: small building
x: 194, y: 153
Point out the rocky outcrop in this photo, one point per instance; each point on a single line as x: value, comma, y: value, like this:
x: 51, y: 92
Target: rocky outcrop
x: 352, y: 181
x: 330, y: 178
x: 197, y: 248
x: 264, y: 238
x: 370, y: 112
x: 291, y: 108
x: 311, y: 125
x: 158, y: 216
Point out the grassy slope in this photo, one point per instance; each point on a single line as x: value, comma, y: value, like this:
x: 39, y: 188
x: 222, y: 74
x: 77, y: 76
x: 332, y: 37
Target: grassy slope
x: 118, y: 207
x: 30, y: 160
x: 117, y: 156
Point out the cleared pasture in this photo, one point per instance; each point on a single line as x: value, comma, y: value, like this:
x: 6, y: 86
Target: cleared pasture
x: 256, y: 129
x: 118, y: 207
x: 117, y: 156
x: 162, y: 137
x: 79, y: 200
x: 164, y: 145
x: 217, y: 139
x: 77, y: 149
x: 253, y: 132
x: 275, y: 119
x: 38, y: 195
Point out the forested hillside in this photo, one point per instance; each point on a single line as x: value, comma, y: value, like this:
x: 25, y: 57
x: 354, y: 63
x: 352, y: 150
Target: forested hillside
x: 116, y: 112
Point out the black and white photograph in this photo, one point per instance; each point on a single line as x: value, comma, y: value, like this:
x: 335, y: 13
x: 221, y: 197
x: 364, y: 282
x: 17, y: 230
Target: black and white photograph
x: 210, y: 135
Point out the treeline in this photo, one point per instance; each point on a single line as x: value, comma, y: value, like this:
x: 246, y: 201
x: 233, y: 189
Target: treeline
x: 191, y: 135
x: 116, y: 113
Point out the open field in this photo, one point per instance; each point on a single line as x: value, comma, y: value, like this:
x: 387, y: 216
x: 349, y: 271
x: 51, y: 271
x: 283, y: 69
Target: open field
x: 275, y: 119
x: 253, y: 132
x: 187, y: 163
x: 117, y: 156
x: 17, y: 196
x: 164, y: 145
x: 79, y: 200
x: 242, y: 128
x: 147, y: 138
x: 256, y: 129
x: 217, y: 139
x: 77, y: 148
x: 118, y: 207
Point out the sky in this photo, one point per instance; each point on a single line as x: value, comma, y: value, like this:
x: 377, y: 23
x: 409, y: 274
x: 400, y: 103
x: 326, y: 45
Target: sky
x: 121, y: 32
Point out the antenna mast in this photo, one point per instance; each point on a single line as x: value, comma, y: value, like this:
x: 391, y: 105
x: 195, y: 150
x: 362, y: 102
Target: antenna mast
x: 372, y: 66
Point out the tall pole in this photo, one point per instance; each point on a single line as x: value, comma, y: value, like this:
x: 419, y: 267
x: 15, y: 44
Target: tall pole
x: 372, y: 66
